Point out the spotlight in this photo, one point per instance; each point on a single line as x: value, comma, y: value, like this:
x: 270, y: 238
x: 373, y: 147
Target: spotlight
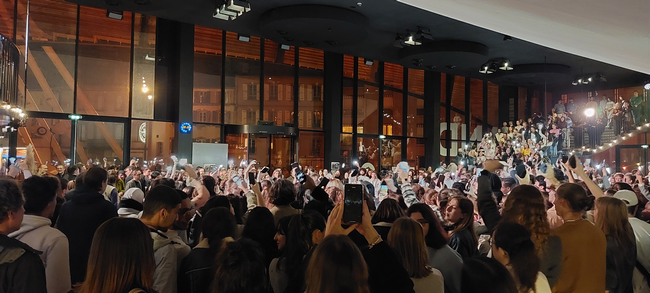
x: 645, y: 146
x: 285, y: 47
x: 585, y: 80
x: 368, y: 62
x: 237, y: 5
x: 243, y: 38
x: 232, y: 13
x: 484, y: 68
x: 418, y: 62
x: 218, y: 15
x: 576, y: 81
x: 411, y: 41
x: 647, y: 86
x: 115, y: 15
x: 590, y: 112
x: 505, y: 65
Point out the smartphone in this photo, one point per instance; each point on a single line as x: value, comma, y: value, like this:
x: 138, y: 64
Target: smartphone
x: 355, y: 172
x: 565, y: 159
x: 323, y: 182
x: 237, y: 181
x: 572, y: 162
x: 299, y: 174
x: 353, y: 203
x: 265, y: 169
x: 383, y: 191
x: 251, y: 178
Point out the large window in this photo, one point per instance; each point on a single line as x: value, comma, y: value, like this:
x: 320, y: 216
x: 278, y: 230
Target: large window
x: 50, y: 138
x: 151, y: 140
x: 243, y: 79
x: 206, y: 133
x: 368, y: 109
x: 98, y: 140
x: 311, y: 88
x: 144, y: 66
x: 208, y: 56
x: 279, y: 75
x: 104, y: 64
x: 52, y: 36
x: 311, y: 148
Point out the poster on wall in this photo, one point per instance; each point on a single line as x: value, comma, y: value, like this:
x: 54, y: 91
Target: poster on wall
x: 334, y: 166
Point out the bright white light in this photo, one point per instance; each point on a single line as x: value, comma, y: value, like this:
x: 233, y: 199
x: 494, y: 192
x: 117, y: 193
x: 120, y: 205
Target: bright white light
x: 609, y: 170
x: 382, y: 136
x: 145, y: 88
x: 149, y: 97
x: 356, y: 163
x: 630, y: 134
x: 590, y: 112
x: 597, y: 166
x: 647, y: 86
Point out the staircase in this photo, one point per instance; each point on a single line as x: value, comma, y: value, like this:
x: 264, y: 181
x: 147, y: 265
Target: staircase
x: 607, y: 137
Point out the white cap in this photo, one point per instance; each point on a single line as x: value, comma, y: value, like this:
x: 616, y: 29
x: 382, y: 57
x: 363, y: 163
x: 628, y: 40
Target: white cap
x: 629, y: 197
x: 134, y: 193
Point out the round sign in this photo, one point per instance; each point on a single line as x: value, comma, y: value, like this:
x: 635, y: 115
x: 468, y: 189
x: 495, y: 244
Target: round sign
x: 186, y: 127
x: 142, y: 132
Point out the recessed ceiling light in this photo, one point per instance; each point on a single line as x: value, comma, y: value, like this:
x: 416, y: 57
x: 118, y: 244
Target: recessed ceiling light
x: 450, y: 66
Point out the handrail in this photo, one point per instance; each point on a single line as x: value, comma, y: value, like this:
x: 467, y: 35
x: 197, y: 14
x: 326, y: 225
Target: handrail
x: 9, y: 64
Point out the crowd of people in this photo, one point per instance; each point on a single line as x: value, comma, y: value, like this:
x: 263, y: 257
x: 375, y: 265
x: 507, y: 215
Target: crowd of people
x: 511, y: 224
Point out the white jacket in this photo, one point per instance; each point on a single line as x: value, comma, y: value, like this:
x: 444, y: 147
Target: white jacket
x: 36, y: 232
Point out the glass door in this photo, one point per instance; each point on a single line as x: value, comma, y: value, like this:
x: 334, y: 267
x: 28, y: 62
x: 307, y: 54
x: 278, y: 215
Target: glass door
x: 282, y: 153
x: 259, y: 148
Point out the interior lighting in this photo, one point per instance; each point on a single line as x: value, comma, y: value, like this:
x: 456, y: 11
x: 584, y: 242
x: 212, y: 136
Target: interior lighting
x: 410, y: 40
x: 506, y: 65
x: 647, y: 86
x: 368, y: 62
x: 590, y: 112
x: 118, y: 15
x: 645, y: 146
x: 244, y: 38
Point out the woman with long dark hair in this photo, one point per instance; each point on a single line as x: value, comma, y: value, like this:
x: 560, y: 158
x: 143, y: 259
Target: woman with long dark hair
x: 584, y: 246
x: 512, y: 246
x: 486, y: 275
x: 611, y: 217
x: 387, y: 212
x: 441, y: 256
x: 240, y: 268
x: 407, y: 240
x: 121, y: 258
x: 195, y: 273
x: 287, y: 272
x: 259, y: 228
x: 460, y: 215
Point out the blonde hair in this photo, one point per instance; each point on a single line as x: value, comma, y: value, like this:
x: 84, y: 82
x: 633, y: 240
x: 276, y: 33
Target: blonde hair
x: 406, y: 237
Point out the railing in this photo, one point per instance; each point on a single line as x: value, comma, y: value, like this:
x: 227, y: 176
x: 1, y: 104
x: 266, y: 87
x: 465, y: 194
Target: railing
x: 9, y: 63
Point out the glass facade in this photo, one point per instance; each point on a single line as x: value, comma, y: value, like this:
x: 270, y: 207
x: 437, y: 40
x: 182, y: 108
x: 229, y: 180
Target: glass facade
x: 82, y: 62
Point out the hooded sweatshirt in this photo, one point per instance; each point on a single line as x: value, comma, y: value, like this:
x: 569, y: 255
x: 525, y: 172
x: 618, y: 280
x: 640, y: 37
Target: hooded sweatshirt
x: 36, y: 232
x: 165, y: 276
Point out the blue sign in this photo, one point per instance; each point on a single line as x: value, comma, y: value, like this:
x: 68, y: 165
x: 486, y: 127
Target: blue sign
x: 186, y: 127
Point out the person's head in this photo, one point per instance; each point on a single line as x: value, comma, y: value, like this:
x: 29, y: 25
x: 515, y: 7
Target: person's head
x: 96, y: 178
x: 460, y: 213
x: 11, y: 206
x: 445, y: 195
x: 121, y: 258
x: 218, y: 224
x: 635, y: 93
x: 160, y: 209
x: 73, y: 170
x: 303, y: 232
x: 137, y: 175
x: 486, y: 275
x: 611, y: 216
x: 40, y: 195
x: 210, y: 183
x: 42, y: 169
x: 388, y: 211
x: 60, y: 169
x: 511, y: 246
x: 434, y: 234
x: 121, y: 175
x: 619, y: 177
x: 240, y: 268
x: 526, y: 206
x: 281, y: 231
x: 629, y: 178
x: 261, y: 229
x: 337, y: 266
x: 282, y: 192
x: 163, y: 181
x: 572, y: 198
x: 185, y: 213
x: 407, y: 240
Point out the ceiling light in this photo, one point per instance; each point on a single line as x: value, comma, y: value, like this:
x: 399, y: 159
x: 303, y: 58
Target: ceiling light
x: 244, y: 38
x: 590, y: 112
x: 418, y: 62
x: 237, y: 5
x: 484, y: 68
x: 285, y: 47
x: 368, y: 62
x: 410, y: 40
x: 505, y: 65
x: 576, y: 81
x: 231, y: 13
x: 218, y: 15
x: 115, y: 15
x: 647, y: 86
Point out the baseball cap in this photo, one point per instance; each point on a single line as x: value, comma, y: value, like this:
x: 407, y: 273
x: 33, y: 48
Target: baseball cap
x: 627, y: 196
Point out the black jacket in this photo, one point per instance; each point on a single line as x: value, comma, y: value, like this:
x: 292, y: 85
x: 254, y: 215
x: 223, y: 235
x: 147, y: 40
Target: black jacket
x: 21, y: 269
x: 79, y: 219
x: 196, y: 272
x: 385, y: 271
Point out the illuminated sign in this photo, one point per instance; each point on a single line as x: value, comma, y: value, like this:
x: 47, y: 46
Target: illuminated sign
x: 186, y: 127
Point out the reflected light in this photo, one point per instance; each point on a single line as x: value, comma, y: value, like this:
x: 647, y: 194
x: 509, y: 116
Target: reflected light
x: 590, y: 112
x: 149, y: 97
x: 145, y: 88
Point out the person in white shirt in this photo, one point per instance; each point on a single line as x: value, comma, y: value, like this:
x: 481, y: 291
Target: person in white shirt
x: 35, y: 231
x: 641, y: 235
